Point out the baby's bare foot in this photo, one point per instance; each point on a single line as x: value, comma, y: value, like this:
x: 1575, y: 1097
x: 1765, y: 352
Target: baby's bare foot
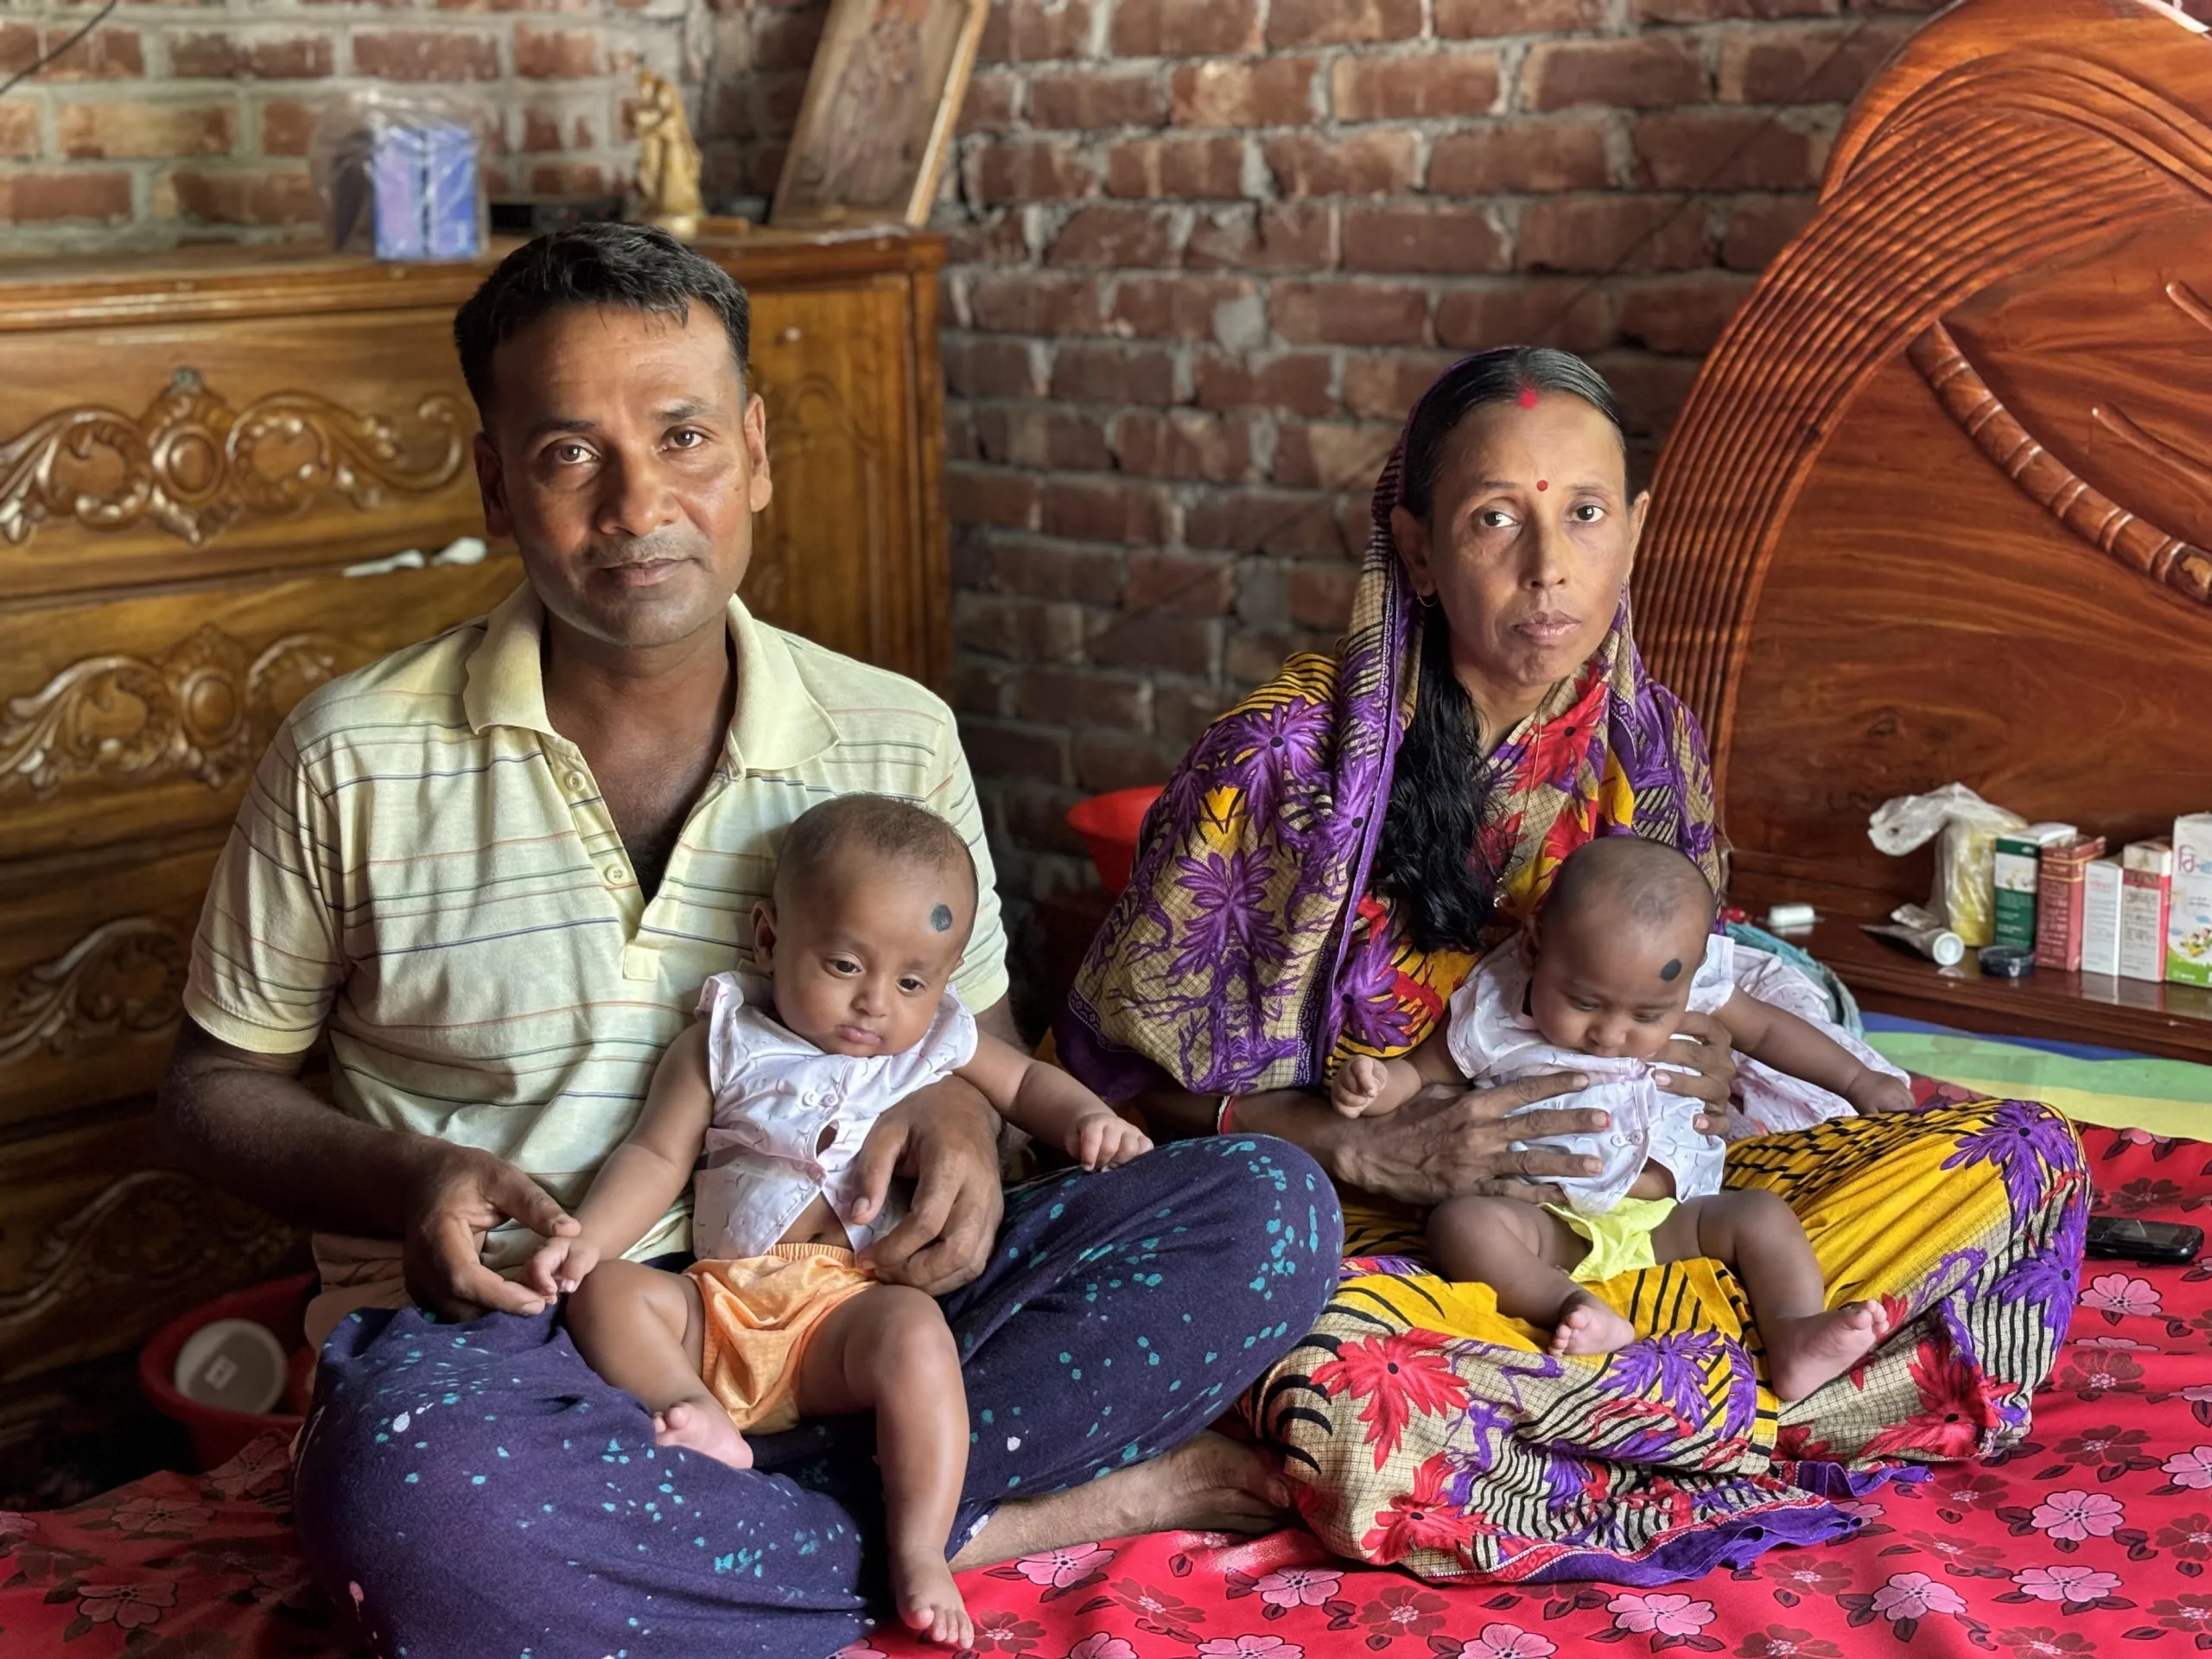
x: 930, y: 1603
x: 1803, y: 1354
x: 703, y: 1427
x: 1588, y: 1326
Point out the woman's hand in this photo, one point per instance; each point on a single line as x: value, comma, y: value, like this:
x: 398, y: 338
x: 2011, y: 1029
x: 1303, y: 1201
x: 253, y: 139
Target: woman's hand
x: 1451, y: 1142
x: 1702, y: 1049
x: 945, y: 1139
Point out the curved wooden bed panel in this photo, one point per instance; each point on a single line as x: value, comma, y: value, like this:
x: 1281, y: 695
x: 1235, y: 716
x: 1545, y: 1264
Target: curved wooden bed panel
x: 1939, y: 506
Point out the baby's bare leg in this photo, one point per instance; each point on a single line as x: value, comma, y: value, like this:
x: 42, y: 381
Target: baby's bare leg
x: 1521, y: 1253
x: 642, y: 1330
x: 888, y: 1350
x: 1759, y: 1237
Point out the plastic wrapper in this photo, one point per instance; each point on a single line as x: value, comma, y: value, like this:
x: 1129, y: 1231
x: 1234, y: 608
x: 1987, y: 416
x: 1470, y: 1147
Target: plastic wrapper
x: 399, y: 174
x: 1964, y: 896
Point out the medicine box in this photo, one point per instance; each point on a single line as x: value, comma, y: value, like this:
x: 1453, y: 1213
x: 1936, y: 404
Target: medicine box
x: 2147, y: 878
x: 2188, y: 915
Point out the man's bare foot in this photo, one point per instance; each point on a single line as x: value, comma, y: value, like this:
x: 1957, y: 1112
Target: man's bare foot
x: 1586, y: 1326
x: 1209, y: 1484
x: 703, y: 1427
x: 929, y: 1602
x: 1803, y: 1354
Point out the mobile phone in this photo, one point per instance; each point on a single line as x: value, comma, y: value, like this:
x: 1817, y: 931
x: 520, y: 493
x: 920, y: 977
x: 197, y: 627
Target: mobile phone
x: 2127, y: 1239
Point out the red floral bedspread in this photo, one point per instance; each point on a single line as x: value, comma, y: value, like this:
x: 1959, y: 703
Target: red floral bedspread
x: 2093, y: 1540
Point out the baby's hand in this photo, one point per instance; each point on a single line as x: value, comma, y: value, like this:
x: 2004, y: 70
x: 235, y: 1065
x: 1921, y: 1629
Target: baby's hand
x: 1101, y: 1140
x: 561, y: 1264
x: 1878, y: 1091
x: 1358, y: 1085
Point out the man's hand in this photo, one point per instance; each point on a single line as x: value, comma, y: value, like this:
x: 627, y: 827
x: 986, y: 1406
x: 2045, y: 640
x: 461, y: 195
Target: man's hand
x: 944, y: 1138
x: 458, y: 1195
x: 1450, y: 1142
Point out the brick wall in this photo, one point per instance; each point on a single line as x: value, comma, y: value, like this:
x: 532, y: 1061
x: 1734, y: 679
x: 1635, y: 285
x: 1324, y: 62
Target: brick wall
x: 179, y: 121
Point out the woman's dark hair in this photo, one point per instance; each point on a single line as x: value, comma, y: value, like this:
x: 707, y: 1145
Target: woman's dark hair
x: 637, y: 267
x: 1424, y: 861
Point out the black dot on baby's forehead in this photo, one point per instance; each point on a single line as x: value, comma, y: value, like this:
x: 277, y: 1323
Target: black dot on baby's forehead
x: 1673, y: 970
x: 941, y: 919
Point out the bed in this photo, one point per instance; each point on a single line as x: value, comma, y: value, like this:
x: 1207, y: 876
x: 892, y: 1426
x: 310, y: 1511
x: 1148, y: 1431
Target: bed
x: 1933, y: 511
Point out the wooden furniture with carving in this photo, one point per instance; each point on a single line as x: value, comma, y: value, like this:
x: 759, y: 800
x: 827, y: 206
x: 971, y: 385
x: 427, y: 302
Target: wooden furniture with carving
x: 1938, y: 507
x: 193, y: 450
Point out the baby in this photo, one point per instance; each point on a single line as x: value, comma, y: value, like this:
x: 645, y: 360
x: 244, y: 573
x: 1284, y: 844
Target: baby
x: 1623, y: 946
x: 777, y: 1086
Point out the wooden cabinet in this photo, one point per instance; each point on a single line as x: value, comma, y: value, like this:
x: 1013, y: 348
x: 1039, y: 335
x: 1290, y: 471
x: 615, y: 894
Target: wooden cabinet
x: 199, y: 454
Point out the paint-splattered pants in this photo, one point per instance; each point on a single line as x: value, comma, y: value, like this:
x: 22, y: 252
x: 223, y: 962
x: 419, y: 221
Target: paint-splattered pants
x: 475, y: 1490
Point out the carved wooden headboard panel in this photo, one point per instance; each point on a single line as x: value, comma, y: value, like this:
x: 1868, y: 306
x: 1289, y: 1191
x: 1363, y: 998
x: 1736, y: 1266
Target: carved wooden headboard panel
x: 205, y: 460
x: 1939, y: 505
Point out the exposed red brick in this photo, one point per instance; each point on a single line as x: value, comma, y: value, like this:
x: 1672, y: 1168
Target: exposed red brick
x: 1271, y: 92
x: 1726, y: 149
x: 122, y: 132
x: 1817, y: 63
x: 996, y: 241
x: 1482, y: 20
x: 1196, y: 584
x: 1758, y: 227
x: 285, y: 125
x: 1027, y: 630
x: 1114, y: 374
x: 104, y: 55
x: 1373, y: 162
x: 423, y: 54
x: 1106, y: 509
x: 1184, y: 307
x: 1652, y: 389
x: 1330, y: 454
x: 26, y: 197
x: 1180, y: 645
x: 1384, y: 385
x: 1083, y: 697
x: 240, y: 196
x: 1295, y: 382
x: 1644, y: 72
x: 1108, y: 760
x: 981, y: 688
x: 1039, y: 569
x: 1031, y: 303
x: 1279, y: 522
x: 1035, y: 754
x: 989, y: 495
x: 1035, y: 31
x: 1183, y: 28
x: 1455, y: 241
x: 1212, y: 166
x: 557, y: 54
x: 1298, y: 235
x: 1335, y: 23
x: 1598, y: 232
x: 1680, y: 314
x: 1702, y: 11
x: 18, y: 130
x: 542, y: 130
x: 991, y: 368
x: 571, y: 179
x: 249, y: 57
x: 1434, y: 84
x: 1183, y: 443
x: 1352, y: 313
x: 1114, y: 236
x: 1520, y: 154
x: 1181, y: 712
x: 1556, y: 311
x: 1054, y: 171
x: 1038, y: 435
x: 1320, y: 595
x: 19, y: 47
x: 1084, y: 99
x: 989, y: 106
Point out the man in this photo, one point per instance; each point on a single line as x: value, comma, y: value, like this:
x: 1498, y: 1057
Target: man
x: 493, y: 870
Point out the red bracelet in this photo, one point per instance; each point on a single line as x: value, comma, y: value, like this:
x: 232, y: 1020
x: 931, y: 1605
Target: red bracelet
x: 1220, y: 1125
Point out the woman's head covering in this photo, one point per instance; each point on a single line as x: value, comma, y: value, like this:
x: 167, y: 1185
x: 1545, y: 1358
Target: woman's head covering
x: 1226, y: 964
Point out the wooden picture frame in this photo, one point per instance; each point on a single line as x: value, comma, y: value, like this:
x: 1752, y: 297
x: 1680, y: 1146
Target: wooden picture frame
x: 876, y: 124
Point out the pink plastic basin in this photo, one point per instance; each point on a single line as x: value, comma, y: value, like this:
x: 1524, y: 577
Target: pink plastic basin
x: 218, y: 1434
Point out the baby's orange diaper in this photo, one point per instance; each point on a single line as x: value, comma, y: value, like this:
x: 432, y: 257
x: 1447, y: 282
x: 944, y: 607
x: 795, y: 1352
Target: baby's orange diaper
x: 760, y: 1313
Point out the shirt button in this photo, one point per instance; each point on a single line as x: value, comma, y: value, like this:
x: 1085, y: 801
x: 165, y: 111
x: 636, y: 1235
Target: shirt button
x: 579, y: 780
x: 615, y: 875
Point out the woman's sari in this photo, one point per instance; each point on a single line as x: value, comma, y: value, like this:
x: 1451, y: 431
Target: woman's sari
x: 1420, y: 1425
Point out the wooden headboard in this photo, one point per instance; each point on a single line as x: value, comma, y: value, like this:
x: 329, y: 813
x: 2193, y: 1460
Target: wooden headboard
x: 1939, y: 504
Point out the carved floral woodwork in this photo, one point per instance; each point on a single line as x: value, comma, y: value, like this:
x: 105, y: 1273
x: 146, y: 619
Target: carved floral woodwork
x: 126, y: 978
x: 205, y: 710
x: 194, y: 465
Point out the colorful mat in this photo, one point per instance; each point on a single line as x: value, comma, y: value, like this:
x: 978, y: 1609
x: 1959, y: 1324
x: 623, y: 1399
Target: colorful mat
x: 2091, y: 1085
x: 2095, y: 1538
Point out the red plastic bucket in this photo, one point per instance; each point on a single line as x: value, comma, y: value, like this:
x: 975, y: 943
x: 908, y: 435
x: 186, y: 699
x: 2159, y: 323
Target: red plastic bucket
x: 1109, y: 826
x: 219, y: 1435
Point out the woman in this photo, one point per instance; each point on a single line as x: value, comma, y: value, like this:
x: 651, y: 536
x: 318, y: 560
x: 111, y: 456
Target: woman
x: 1323, y: 871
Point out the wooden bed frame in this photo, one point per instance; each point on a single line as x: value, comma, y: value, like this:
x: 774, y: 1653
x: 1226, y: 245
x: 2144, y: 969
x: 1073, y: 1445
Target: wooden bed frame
x: 1939, y: 504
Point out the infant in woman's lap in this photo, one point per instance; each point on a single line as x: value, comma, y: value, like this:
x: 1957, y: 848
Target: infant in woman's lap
x: 1624, y: 946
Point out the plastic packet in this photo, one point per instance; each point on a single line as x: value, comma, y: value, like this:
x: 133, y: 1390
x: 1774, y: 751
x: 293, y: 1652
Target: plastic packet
x: 1965, y: 892
x: 399, y: 173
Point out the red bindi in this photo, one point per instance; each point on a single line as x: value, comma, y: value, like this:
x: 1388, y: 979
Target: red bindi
x: 1541, y: 485
x: 1527, y: 397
